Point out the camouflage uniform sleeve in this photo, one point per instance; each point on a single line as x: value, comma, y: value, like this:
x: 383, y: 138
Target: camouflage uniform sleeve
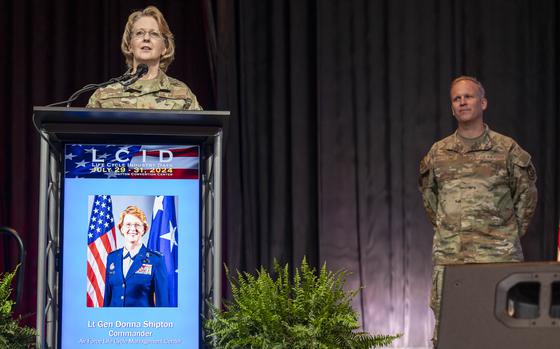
x: 428, y: 187
x: 523, y: 189
x: 193, y: 105
x: 94, y: 100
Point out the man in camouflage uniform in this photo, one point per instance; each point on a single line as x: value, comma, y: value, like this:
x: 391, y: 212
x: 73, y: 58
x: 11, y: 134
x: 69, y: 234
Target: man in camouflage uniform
x: 163, y: 92
x: 478, y: 188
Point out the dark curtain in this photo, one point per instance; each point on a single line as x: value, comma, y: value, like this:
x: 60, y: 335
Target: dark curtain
x: 333, y: 105
x: 334, y: 102
x: 266, y: 78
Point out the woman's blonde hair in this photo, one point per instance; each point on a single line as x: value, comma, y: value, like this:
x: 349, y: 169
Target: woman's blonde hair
x: 135, y: 211
x: 169, y: 41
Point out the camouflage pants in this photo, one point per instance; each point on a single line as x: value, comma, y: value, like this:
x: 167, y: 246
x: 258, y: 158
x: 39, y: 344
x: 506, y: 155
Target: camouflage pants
x: 435, y: 297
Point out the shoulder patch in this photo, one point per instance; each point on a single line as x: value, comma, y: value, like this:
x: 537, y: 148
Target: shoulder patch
x: 531, y: 173
x: 520, y: 157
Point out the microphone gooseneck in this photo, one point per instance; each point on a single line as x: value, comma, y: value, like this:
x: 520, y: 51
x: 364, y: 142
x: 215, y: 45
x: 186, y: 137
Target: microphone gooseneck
x: 125, y: 80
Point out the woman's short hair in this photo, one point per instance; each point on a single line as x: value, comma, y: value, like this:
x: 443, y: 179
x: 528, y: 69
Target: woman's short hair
x: 169, y: 41
x: 135, y: 211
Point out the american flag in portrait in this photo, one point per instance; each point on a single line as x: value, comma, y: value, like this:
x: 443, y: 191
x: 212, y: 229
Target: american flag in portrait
x: 101, y: 240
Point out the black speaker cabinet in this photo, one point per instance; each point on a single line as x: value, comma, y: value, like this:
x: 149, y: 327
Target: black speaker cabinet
x: 500, y: 305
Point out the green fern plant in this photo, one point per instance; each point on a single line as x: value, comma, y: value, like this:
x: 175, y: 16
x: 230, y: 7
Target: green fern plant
x: 306, y: 311
x: 12, y: 335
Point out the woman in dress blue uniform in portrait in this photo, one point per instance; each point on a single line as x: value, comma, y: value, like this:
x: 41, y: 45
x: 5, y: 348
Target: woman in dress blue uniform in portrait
x: 135, y: 275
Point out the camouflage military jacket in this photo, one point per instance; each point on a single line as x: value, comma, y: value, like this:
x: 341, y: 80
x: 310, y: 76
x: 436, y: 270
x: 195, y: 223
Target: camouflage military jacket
x: 479, y: 198
x: 163, y: 92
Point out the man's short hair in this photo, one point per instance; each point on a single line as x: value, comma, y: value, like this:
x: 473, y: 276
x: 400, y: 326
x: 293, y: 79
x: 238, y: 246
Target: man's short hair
x: 471, y: 79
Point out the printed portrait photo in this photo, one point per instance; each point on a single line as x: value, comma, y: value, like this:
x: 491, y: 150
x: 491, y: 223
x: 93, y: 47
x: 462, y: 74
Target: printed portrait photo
x: 132, y: 251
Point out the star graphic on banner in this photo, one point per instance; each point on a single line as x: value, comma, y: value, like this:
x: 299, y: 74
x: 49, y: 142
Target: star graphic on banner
x: 82, y: 163
x: 90, y: 150
x: 69, y: 156
x: 170, y: 236
x: 158, y: 205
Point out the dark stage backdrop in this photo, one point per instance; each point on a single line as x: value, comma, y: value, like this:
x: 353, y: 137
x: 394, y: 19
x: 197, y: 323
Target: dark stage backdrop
x: 333, y: 105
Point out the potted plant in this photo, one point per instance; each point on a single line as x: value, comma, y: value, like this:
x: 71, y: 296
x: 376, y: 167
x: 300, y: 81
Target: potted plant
x: 279, y: 311
x: 12, y: 335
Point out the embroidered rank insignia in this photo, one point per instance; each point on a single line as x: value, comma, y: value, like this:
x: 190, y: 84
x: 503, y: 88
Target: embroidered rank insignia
x: 145, y: 269
x: 112, y: 266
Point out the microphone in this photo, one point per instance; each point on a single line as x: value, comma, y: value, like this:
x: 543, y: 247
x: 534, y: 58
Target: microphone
x: 141, y: 70
x: 125, y: 80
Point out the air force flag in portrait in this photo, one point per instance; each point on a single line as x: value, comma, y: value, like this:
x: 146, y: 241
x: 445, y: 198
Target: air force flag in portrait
x: 164, y: 238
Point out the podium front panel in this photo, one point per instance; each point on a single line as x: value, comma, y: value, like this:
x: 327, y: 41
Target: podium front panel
x: 147, y: 198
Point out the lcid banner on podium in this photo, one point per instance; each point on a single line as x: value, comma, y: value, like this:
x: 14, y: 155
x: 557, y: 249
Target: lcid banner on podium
x: 130, y: 247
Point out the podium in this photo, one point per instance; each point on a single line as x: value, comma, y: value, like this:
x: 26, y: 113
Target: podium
x: 168, y: 165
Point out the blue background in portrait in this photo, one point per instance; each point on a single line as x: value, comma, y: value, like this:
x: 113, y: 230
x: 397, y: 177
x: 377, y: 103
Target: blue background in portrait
x: 74, y: 312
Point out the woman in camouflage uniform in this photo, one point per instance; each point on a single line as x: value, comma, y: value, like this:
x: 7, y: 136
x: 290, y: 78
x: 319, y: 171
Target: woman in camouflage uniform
x: 147, y: 39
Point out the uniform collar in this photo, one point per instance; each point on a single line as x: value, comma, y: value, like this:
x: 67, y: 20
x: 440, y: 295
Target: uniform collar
x: 133, y: 252
x: 459, y: 146
x: 159, y: 83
